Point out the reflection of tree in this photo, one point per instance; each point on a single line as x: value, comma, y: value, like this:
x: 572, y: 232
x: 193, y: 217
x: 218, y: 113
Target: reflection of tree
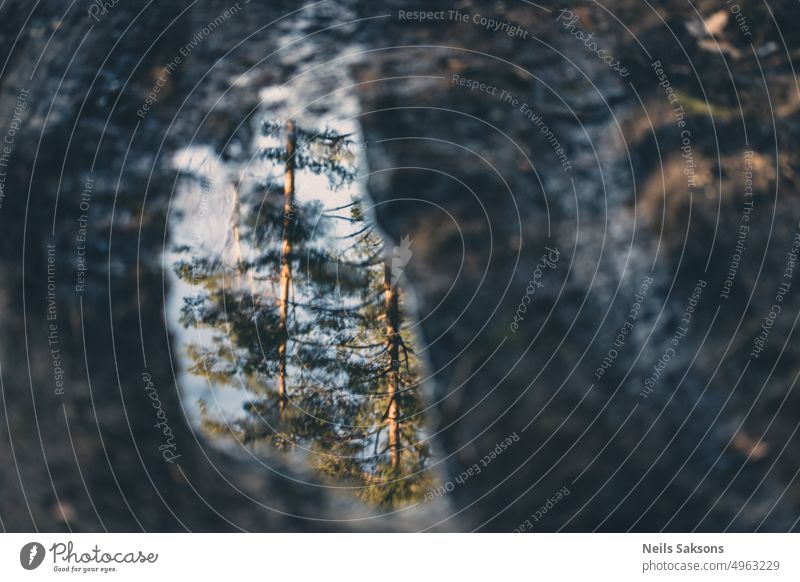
x: 388, y: 456
x: 325, y: 356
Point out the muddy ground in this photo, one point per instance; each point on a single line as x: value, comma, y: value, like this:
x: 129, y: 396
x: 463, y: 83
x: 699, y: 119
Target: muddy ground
x: 709, y: 444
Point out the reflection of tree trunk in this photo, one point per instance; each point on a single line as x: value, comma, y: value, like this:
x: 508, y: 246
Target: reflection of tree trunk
x: 286, y: 267
x: 393, y: 348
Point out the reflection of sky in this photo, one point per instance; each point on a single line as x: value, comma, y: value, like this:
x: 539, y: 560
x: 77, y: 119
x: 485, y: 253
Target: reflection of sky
x: 201, y: 219
x: 317, y: 96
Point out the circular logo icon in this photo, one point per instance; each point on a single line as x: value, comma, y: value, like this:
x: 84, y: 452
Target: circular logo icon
x: 31, y: 555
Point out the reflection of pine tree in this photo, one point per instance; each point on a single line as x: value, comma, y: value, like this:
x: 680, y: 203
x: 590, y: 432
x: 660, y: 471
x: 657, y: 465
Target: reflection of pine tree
x: 316, y: 336
x: 388, y: 457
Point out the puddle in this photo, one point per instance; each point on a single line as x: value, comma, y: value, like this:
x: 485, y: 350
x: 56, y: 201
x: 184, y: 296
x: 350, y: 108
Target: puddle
x: 286, y: 302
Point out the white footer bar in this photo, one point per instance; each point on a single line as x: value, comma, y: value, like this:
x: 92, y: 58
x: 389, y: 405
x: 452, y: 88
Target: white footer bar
x: 400, y: 557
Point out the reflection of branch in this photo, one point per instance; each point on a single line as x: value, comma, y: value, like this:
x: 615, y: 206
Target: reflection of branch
x: 377, y: 440
x: 354, y: 234
x: 337, y: 217
x: 406, y: 349
x: 369, y: 262
x: 266, y: 277
x: 351, y: 347
x: 342, y: 207
x: 312, y: 307
x: 293, y: 303
x: 377, y: 245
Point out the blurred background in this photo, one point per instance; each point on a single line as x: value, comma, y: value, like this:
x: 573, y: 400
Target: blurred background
x: 441, y: 266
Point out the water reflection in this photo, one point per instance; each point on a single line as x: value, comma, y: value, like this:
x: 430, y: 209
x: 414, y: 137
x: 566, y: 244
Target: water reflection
x: 296, y: 309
